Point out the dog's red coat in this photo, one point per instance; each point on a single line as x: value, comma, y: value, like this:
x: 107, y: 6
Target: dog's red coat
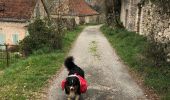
x: 83, y: 84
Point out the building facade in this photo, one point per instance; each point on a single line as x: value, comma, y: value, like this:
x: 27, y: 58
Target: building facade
x: 77, y: 9
x: 15, y: 16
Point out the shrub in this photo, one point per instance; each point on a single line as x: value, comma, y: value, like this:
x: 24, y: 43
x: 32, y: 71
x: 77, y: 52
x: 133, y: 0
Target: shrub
x: 42, y: 34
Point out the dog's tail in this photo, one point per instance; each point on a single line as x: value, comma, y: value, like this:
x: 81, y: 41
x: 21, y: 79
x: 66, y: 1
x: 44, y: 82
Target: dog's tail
x: 69, y: 62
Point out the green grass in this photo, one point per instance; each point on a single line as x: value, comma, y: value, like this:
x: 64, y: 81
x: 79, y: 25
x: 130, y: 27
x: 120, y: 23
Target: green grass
x: 2, y: 64
x: 131, y: 48
x: 2, y: 61
x: 25, y: 79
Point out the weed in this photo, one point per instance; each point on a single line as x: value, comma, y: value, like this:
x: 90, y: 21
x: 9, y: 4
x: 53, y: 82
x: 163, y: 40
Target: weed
x: 93, y: 49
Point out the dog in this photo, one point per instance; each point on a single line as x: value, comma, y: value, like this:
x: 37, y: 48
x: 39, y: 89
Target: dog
x: 72, y: 83
x: 72, y: 87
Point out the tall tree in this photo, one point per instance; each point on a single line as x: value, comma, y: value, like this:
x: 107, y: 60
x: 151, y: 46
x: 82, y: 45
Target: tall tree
x: 109, y: 11
x: 112, y: 12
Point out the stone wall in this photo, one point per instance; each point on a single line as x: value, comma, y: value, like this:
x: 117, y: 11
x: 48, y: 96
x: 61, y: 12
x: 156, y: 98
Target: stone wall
x: 154, y: 20
x: 92, y: 19
x: 145, y: 18
x: 129, y: 11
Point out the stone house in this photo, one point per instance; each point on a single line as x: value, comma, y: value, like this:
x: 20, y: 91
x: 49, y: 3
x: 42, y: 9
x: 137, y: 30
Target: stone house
x: 79, y: 10
x: 145, y: 17
x: 15, y: 16
x: 99, y: 6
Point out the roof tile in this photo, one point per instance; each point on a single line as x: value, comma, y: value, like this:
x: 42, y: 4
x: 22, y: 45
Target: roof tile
x: 16, y: 9
x: 76, y: 8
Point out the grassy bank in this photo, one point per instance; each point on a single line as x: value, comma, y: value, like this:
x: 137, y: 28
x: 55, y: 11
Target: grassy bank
x: 24, y: 79
x: 131, y: 48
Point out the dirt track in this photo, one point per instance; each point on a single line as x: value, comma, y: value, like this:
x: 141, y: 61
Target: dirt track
x: 107, y: 76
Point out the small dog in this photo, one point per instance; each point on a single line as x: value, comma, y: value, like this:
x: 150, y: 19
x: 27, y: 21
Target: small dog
x: 72, y: 84
x: 72, y: 87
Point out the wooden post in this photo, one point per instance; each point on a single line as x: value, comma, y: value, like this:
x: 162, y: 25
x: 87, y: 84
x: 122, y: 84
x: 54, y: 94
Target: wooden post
x: 7, y: 55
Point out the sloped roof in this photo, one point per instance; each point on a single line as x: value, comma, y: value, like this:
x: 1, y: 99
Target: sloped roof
x: 76, y: 8
x: 16, y: 9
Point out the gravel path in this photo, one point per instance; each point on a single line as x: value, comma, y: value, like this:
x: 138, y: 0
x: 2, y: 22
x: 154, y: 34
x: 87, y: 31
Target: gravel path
x: 107, y: 76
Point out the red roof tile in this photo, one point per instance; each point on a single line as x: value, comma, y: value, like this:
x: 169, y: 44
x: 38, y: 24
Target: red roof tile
x: 16, y: 9
x: 77, y: 8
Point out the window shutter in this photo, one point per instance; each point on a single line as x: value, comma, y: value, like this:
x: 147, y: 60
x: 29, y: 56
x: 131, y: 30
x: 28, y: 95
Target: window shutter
x: 15, y: 38
x: 2, y: 38
x: 2, y: 41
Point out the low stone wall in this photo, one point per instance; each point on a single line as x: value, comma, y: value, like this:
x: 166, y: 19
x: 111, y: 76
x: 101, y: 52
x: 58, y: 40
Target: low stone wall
x: 95, y: 19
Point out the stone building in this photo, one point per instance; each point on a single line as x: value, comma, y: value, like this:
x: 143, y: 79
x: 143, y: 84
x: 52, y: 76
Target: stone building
x: 128, y: 13
x: 15, y: 16
x: 76, y: 9
x: 145, y: 17
x: 99, y: 6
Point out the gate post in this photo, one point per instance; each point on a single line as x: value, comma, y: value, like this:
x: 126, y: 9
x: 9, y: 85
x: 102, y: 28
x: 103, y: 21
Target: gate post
x: 7, y: 55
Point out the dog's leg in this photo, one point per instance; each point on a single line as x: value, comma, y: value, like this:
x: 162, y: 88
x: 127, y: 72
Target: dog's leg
x: 77, y: 97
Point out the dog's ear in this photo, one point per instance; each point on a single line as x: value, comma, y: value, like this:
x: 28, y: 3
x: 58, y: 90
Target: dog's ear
x: 67, y: 89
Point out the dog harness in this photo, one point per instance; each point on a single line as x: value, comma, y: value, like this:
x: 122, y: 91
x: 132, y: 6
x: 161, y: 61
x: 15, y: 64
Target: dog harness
x: 83, y: 83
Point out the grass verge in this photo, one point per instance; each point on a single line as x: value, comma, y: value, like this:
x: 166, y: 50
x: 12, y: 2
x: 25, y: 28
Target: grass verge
x: 24, y: 79
x: 131, y: 48
x: 2, y: 64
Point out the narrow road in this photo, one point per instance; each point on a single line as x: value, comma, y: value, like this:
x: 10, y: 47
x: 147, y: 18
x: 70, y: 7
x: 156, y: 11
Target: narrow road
x: 107, y: 76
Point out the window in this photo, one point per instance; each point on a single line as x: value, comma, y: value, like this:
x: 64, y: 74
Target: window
x: 15, y: 38
x: 2, y: 38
